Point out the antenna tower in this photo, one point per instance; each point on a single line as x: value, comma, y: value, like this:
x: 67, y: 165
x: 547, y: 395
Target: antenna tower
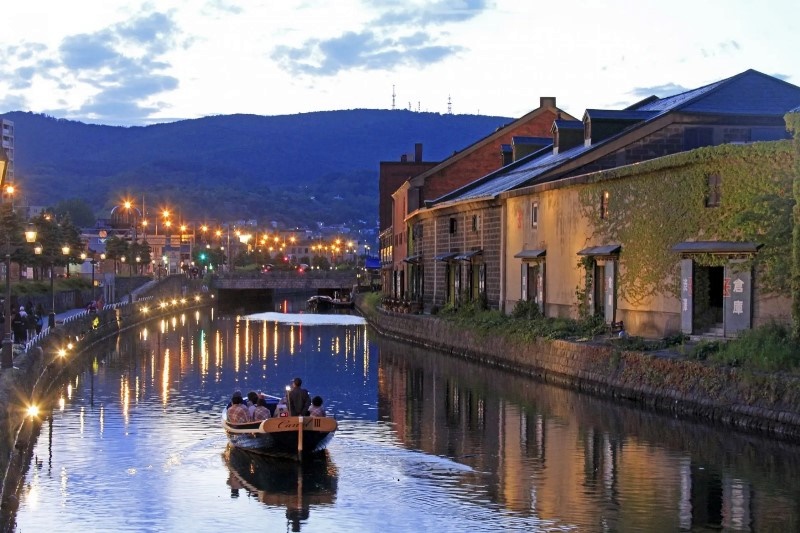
x: 393, y: 96
x: 449, y: 105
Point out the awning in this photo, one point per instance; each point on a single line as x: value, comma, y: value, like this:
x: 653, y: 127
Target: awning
x: 467, y: 256
x: 446, y: 256
x: 716, y: 247
x: 413, y: 259
x: 531, y: 254
x: 608, y: 249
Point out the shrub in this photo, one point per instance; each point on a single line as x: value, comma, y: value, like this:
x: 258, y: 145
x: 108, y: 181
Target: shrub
x: 527, y: 309
x: 766, y: 348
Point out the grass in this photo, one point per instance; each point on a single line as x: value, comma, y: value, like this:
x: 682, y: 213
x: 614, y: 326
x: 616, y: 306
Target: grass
x: 768, y: 348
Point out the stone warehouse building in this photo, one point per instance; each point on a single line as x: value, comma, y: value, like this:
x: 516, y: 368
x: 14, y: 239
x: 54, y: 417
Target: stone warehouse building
x: 644, y: 215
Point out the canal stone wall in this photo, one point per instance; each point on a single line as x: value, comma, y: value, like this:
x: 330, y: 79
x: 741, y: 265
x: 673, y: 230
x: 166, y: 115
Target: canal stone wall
x: 665, y: 381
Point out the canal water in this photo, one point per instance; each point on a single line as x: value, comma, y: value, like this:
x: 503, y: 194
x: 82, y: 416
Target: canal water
x: 425, y: 443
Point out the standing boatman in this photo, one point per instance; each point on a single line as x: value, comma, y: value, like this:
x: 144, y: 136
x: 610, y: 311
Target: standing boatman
x: 299, y: 401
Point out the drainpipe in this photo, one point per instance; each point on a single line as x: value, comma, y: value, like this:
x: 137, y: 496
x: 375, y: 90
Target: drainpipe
x: 503, y: 252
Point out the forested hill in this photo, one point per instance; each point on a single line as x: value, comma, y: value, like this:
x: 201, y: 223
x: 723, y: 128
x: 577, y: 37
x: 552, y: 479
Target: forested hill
x: 297, y: 169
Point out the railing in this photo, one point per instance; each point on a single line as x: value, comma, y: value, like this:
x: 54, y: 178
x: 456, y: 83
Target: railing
x: 36, y: 339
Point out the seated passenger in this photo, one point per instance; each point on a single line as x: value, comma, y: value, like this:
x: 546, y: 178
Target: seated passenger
x: 260, y: 411
x: 316, y: 407
x: 237, y: 412
x: 252, y: 399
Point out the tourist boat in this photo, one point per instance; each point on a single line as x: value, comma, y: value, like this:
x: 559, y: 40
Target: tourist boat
x: 281, y: 435
x: 321, y: 302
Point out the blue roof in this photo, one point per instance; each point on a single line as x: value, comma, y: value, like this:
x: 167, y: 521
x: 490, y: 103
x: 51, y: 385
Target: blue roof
x: 568, y: 124
x: 531, y: 140
x: 624, y: 114
x: 749, y: 92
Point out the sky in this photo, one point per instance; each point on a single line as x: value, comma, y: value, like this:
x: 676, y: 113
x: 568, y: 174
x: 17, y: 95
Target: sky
x: 136, y: 63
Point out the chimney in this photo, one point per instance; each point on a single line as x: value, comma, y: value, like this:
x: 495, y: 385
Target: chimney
x: 418, y: 153
x: 547, y: 101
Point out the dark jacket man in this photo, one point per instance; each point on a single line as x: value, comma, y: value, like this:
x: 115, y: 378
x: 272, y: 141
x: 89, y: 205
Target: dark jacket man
x: 299, y: 401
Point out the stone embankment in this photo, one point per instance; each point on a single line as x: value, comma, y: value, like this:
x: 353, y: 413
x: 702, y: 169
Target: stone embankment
x: 38, y: 369
x: 668, y: 382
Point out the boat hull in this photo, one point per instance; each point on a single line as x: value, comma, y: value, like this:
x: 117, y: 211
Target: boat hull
x: 285, y: 436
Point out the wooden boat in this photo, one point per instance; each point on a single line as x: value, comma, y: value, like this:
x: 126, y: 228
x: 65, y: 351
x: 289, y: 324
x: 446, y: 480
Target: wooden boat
x: 281, y: 435
x: 321, y: 302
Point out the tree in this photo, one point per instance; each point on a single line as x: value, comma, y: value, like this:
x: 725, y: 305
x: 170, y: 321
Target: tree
x: 116, y: 249
x: 78, y: 210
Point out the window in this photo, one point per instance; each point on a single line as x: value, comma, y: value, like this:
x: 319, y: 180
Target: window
x: 534, y: 214
x: 453, y: 225
x: 476, y: 222
x: 604, y: 205
x: 714, y: 190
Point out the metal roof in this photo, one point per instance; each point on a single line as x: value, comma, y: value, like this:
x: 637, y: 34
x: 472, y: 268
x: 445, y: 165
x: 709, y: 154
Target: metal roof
x: 608, y: 249
x: 623, y: 114
x: 531, y: 254
x: 716, y: 247
x: 749, y: 92
x: 446, y: 256
x: 467, y: 256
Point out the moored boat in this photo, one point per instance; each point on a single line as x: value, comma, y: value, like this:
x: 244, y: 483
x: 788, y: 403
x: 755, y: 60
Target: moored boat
x: 282, y: 435
x: 321, y: 302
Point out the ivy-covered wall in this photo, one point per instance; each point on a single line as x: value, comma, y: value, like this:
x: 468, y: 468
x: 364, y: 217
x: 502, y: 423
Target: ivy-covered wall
x: 655, y: 205
x: 652, y: 206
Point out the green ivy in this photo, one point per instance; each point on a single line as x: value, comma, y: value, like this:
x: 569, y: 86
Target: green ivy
x: 793, y: 126
x: 662, y: 202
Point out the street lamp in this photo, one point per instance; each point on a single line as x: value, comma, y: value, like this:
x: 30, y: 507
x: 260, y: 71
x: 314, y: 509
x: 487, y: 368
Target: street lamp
x: 65, y: 251
x: 7, y: 358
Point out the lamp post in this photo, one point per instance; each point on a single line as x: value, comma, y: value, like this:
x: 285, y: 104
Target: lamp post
x: 7, y: 358
x: 65, y: 251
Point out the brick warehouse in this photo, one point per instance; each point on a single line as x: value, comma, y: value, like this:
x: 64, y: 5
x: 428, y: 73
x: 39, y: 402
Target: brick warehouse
x: 524, y: 135
x: 458, y: 257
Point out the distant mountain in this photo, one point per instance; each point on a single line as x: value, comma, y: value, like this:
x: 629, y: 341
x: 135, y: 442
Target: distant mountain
x: 296, y: 169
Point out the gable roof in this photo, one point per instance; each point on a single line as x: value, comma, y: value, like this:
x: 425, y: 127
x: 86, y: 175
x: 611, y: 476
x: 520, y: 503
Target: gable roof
x: 547, y: 104
x: 722, y: 97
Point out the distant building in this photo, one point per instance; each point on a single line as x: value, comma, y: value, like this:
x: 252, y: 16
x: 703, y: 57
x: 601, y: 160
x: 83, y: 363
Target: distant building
x: 7, y: 142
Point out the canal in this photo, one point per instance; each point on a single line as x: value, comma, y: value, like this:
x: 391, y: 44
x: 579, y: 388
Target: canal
x: 425, y: 443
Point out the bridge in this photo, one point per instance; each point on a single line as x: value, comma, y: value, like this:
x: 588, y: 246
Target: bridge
x: 310, y: 280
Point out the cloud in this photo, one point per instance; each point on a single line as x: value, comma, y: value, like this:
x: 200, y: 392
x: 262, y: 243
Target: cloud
x: 89, y: 51
x: 365, y: 50
x: 384, y: 45
x: 667, y: 89
x: 430, y: 13
x: 121, y: 65
x: 13, y: 102
x: 223, y: 5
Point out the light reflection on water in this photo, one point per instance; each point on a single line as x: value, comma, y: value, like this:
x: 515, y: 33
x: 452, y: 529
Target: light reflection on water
x: 425, y: 443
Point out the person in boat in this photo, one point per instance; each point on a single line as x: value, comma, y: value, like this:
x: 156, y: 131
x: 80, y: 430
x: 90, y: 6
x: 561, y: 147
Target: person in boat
x: 252, y: 400
x: 261, y: 410
x: 299, y: 400
x: 237, y: 412
x: 316, y: 407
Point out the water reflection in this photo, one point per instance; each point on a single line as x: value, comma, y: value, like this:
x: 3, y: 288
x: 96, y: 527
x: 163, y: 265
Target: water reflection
x: 560, y: 456
x: 426, y: 442
x: 287, y: 484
